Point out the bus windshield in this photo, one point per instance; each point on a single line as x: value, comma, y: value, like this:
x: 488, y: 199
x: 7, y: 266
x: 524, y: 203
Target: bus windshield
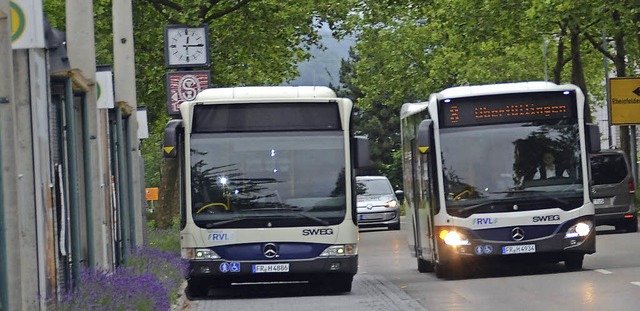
x: 269, y: 179
x: 501, y: 168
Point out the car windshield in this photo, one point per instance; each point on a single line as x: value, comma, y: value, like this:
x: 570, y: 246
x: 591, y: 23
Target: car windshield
x: 491, y: 164
x: 277, y: 179
x: 374, y: 187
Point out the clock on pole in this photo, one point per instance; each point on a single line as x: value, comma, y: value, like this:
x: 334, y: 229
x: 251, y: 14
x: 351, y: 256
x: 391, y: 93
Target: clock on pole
x: 186, y: 46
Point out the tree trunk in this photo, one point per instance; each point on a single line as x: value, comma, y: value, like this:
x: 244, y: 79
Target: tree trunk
x: 169, y: 194
x: 557, y: 69
x: 577, y: 70
x: 621, y: 71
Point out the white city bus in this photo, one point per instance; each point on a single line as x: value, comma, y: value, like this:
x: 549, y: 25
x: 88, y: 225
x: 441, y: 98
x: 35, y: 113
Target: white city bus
x: 267, y: 186
x: 470, y: 167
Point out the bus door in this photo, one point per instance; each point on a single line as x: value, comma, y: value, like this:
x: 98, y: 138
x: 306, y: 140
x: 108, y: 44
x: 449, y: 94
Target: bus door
x: 425, y: 194
x: 428, y: 198
x: 415, y: 198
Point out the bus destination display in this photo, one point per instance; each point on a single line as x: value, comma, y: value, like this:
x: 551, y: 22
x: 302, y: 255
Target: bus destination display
x: 506, y: 109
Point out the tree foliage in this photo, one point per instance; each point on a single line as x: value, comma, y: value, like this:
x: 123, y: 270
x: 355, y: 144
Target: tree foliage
x: 405, y: 50
x: 408, y: 49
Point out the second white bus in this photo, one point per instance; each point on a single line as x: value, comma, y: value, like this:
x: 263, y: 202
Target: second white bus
x: 470, y: 158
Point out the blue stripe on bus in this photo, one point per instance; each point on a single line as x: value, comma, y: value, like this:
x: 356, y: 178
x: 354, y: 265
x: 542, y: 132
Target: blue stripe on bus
x: 504, y: 234
x: 255, y: 251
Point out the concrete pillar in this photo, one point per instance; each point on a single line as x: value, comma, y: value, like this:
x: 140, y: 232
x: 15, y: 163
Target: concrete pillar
x: 125, y: 94
x: 81, y: 50
x: 8, y: 282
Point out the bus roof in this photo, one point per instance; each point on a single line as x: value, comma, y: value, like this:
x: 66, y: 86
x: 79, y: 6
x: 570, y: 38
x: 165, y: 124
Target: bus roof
x: 264, y: 92
x: 412, y: 108
x: 408, y: 109
x: 500, y: 88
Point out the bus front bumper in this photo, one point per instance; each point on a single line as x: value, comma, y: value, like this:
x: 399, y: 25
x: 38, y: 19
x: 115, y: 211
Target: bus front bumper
x: 554, y: 248
x: 273, y: 270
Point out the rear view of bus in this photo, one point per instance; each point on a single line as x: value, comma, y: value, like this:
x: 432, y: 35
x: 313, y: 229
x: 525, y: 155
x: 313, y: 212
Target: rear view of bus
x: 267, y: 180
x: 498, y: 172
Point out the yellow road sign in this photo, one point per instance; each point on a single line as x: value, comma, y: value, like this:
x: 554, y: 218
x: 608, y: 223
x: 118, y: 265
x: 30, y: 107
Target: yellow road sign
x: 151, y: 194
x: 624, y: 101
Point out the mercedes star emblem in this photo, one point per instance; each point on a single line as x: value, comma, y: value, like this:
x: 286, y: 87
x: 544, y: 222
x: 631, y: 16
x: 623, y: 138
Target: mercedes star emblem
x: 270, y: 250
x: 517, y: 234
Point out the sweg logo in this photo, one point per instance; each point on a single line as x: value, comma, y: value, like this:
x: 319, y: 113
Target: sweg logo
x: 485, y: 221
x: 546, y: 218
x: 326, y: 231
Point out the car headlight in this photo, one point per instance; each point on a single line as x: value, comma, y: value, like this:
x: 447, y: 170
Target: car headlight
x: 391, y: 204
x: 453, y: 238
x: 580, y: 229
x: 199, y: 254
x: 340, y: 250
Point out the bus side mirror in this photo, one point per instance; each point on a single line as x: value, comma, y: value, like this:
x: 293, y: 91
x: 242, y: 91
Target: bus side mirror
x: 593, y: 138
x: 170, y: 142
x: 425, y: 135
x: 362, y: 158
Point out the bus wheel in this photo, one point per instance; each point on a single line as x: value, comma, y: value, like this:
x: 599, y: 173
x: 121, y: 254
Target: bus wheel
x: 443, y: 271
x: 196, y: 289
x: 574, y: 263
x: 424, y: 266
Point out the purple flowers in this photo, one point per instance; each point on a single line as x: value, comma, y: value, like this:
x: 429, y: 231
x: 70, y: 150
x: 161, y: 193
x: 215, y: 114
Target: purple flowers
x: 150, y: 281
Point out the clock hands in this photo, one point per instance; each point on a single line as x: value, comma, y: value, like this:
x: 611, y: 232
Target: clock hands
x: 187, y: 46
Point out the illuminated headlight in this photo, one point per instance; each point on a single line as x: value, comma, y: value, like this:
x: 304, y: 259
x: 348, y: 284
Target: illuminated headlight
x: 199, y: 254
x: 580, y: 229
x: 391, y: 204
x: 340, y: 250
x: 453, y: 238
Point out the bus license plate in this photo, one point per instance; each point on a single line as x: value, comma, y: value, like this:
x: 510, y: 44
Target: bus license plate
x: 271, y: 268
x: 598, y: 201
x: 518, y: 249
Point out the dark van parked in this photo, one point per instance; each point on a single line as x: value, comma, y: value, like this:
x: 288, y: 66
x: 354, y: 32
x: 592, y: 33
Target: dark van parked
x: 613, y: 190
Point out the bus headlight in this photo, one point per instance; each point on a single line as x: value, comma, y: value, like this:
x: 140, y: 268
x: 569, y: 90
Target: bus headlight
x: 340, y: 250
x: 453, y: 238
x: 199, y: 254
x: 580, y: 229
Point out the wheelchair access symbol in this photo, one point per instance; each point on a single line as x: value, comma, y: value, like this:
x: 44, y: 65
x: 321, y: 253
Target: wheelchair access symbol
x: 484, y: 249
x: 229, y: 267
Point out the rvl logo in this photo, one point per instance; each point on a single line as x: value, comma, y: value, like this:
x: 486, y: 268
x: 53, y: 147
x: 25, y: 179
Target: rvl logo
x: 485, y: 221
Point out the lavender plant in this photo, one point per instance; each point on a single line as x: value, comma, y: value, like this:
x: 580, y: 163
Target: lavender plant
x: 169, y: 268
x: 149, y: 282
x: 123, y: 289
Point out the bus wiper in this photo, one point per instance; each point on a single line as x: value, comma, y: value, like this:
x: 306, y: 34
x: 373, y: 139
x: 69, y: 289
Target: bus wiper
x: 224, y: 222
x: 475, y: 206
x: 296, y: 210
x: 314, y: 218
x: 540, y: 193
x: 514, y: 191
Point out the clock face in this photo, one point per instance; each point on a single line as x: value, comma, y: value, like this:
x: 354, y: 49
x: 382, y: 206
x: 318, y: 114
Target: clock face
x: 186, y: 47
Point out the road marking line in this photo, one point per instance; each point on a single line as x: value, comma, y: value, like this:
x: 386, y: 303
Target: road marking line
x: 636, y: 283
x: 603, y: 271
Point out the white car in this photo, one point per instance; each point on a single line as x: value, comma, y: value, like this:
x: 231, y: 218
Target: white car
x: 378, y: 205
